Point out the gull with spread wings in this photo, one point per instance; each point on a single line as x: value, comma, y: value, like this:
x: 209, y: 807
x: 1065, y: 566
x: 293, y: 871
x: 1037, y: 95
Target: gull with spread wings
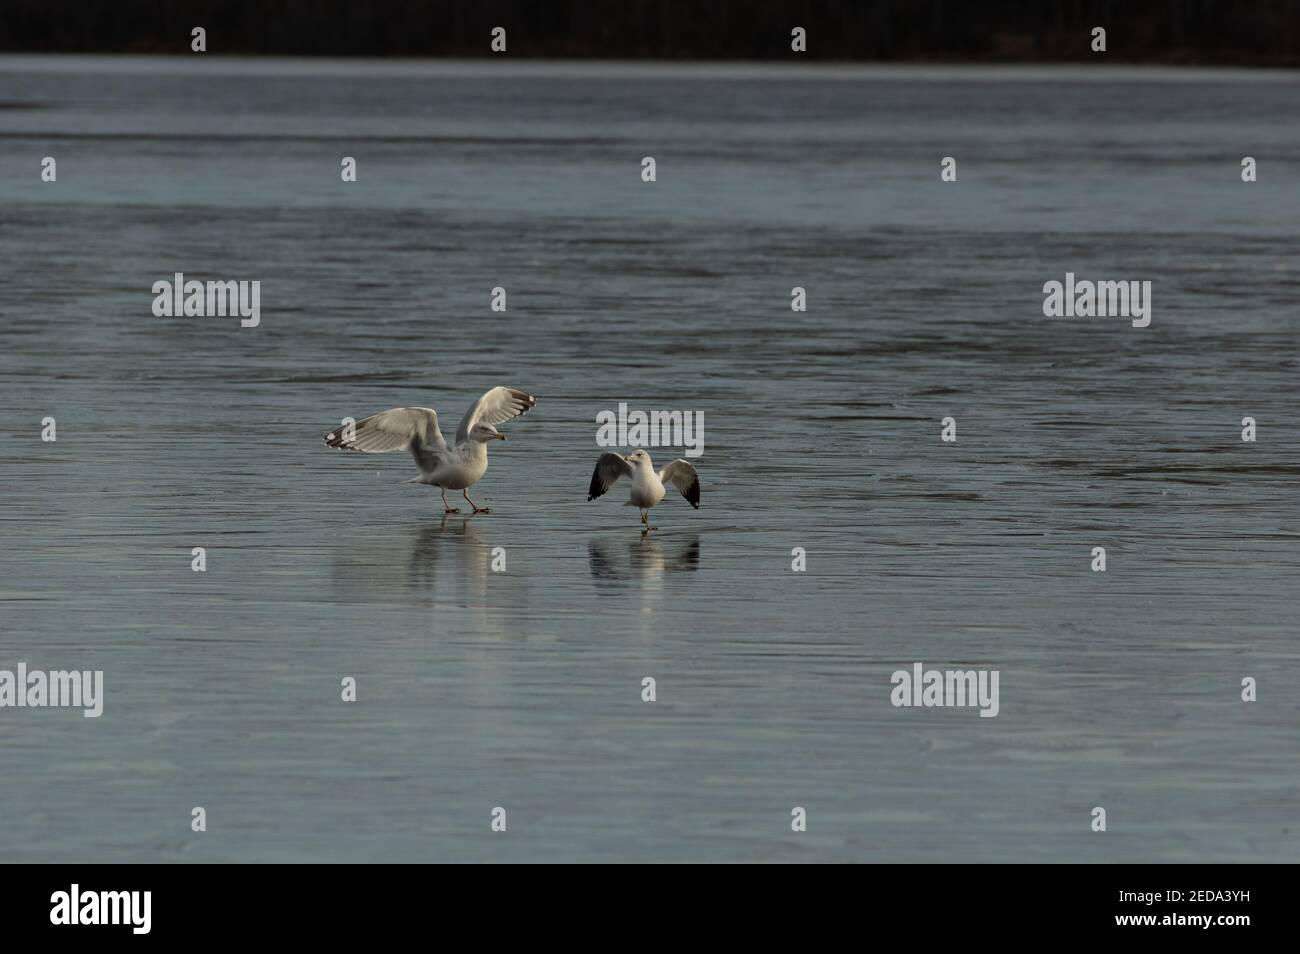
x: 647, y: 487
x: 457, y: 467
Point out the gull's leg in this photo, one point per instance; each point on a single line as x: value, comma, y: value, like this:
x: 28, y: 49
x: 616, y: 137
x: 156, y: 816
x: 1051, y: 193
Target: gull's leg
x: 477, y: 508
x: 446, y: 507
x: 645, y: 520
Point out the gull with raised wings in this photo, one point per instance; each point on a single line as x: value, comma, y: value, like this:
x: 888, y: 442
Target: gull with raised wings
x: 455, y: 467
x: 647, y: 484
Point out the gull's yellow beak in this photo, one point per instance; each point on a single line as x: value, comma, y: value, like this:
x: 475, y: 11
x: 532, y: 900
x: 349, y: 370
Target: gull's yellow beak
x: 502, y: 436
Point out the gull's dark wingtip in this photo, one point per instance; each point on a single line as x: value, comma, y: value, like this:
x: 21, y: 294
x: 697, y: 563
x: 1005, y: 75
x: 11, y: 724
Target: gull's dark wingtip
x: 693, y: 494
x: 528, y: 401
x: 597, y: 487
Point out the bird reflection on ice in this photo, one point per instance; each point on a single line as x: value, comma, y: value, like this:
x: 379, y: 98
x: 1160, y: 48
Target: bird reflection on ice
x: 451, y: 540
x: 646, y: 558
x: 451, y: 551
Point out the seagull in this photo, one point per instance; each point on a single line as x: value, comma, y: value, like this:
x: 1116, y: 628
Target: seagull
x: 647, y: 486
x: 416, y: 429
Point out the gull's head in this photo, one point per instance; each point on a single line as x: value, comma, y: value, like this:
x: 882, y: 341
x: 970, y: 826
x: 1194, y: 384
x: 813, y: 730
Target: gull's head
x: 484, y: 433
x: 638, y: 457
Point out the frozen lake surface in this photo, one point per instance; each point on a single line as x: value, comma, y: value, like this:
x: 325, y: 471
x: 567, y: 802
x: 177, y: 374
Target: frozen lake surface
x: 522, y: 689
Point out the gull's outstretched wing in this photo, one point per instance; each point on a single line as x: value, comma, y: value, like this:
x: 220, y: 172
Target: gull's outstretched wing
x: 499, y: 405
x: 395, y: 429
x: 609, y: 468
x: 682, y: 475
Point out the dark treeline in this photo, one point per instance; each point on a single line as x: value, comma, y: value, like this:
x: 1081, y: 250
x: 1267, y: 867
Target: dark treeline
x: 1257, y: 32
